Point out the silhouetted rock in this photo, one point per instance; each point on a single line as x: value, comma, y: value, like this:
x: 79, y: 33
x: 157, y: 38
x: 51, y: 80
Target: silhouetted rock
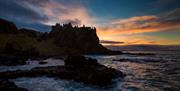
x: 30, y: 32
x: 14, y: 48
x: 80, y: 62
x: 42, y: 62
x: 76, y: 68
x: 90, y: 71
x: 7, y: 27
x: 12, y: 60
x: 6, y: 85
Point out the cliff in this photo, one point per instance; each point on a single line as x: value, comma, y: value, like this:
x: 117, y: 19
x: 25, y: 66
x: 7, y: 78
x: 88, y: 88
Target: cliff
x: 80, y: 39
x: 61, y: 40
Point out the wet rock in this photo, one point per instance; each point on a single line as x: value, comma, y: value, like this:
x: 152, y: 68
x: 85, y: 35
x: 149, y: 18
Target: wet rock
x: 42, y: 62
x: 80, y: 62
x: 11, y: 60
x: 90, y: 71
x: 122, y: 60
x: 6, y: 85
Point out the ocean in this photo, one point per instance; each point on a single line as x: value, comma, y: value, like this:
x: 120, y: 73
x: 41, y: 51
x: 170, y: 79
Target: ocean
x: 158, y: 72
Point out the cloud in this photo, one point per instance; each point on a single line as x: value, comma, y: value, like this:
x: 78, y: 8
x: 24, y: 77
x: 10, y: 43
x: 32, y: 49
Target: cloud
x: 142, y: 42
x: 136, y: 22
x: 13, y: 10
x: 132, y: 29
x: 60, y: 11
x: 164, y: 2
x: 128, y: 42
x: 172, y: 16
x: 73, y: 22
x: 44, y: 13
x: 141, y: 24
x: 110, y: 42
x: 22, y: 16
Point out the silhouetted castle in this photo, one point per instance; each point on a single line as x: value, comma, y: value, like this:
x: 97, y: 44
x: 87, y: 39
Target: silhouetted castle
x: 82, y: 38
x: 69, y: 26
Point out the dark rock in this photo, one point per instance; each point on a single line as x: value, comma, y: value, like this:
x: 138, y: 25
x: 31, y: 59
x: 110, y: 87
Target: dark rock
x: 76, y: 68
x: 80, y: 62
x: 30, y: 32
x: 6, y: 85
x: 122, y: 60
x: 11, y: 60
x: 13, y: 48
x: 7, y: 27
x: 13, y: 55
x: 90, y: 71
x: 42, y: 62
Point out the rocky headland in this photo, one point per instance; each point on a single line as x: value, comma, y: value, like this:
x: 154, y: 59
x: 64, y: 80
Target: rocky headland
x: 22, y: 44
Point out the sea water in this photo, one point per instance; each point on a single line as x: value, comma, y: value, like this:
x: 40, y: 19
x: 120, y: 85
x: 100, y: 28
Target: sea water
x: 159, y: 72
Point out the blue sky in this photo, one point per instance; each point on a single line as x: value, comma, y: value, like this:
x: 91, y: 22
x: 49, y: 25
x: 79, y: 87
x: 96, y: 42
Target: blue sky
x: 128, y: 8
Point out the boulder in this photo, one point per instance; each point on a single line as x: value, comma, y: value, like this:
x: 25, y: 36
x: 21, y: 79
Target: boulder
x: 79, y: 62
x: 42, y: 62
x: 89, y: 70
x: 11, y: 60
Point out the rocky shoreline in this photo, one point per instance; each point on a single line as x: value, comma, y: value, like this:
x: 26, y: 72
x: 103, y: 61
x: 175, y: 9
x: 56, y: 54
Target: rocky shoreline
x: 77, y: 68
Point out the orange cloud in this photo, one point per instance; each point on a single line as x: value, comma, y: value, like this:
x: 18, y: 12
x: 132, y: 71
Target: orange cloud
x: 134, y: 19
x: 141, y: 24
x: 138, y: 24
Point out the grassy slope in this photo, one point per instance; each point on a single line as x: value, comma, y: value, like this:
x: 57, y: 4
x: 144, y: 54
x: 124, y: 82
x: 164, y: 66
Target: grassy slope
x: 45, y: 47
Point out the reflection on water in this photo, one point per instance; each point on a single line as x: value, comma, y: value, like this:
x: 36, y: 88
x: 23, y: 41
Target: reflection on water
x: 160, y: 72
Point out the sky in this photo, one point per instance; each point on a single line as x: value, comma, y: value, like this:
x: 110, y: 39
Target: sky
x: 118, y: 22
